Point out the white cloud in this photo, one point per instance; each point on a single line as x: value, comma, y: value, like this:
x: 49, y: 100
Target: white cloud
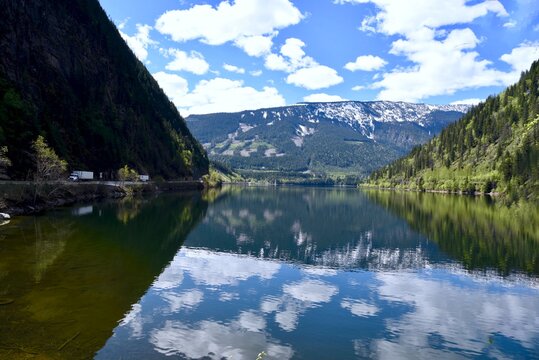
x: 297, y: 298
x: 211, y: 339
x: 133, y: 320
x: 405, y: 17
x: 522, y: 56
x: 321, y: 97
x: 292, y: 49
x: 459, y: 315
x: 234, y: 69
x: 311, y: 291
x: 443, y: 62
x: 315, y: 77
x: 359, y: 88
x: 288, y: 318
x: 319, y: 271
x: 510, y: 24
x: 250, y: 24
x: 359, y: 308
x: 255, y: 73
x: 193, y: 62
x: 291, y: 57
x: 228, y: 296
x: 367, y: 24
x: 139, y: 42
x: 224, y: 95
x: 366, y: 63
x: 122, y: 24
x: 182, y: 301
x: 251, y: 321
x: 524, y: 14
x: 257, y: 46
x: 215, y: 269
x: 173, y: 85
x: 471, y: 101
x: 277, y: 63
x: 304, y: 70
x: 442, y: 67
x: 216, y: 95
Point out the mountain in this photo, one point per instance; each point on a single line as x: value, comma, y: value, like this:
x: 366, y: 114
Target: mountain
x: 493, y: 148
x: 340, y: 138
x: 66, y: 73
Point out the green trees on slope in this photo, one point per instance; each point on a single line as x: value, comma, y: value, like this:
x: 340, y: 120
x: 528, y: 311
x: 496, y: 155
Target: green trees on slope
x: 494, y: 147
x: 48, y: 166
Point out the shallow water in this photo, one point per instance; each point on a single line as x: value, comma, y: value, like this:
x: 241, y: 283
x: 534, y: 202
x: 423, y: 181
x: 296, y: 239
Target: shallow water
x: 308, y: 273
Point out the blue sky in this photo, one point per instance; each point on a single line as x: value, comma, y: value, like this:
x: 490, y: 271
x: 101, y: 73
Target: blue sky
x: 224, y: 56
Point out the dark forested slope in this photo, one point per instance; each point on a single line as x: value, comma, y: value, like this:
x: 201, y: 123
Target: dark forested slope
x: 494, y: 147
x: 66, y: 73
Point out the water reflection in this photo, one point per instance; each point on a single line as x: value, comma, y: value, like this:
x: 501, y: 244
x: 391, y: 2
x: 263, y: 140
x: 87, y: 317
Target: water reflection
x: 327, y: 227
x: 71, y: 275
x: 313, y: 273
x: 292, y: 272
x: 297, y: 311
x: 234, y: 340
x: 457, y: 314
x: 195, y: 279
x: 373, y: 230
x: 480, y: 233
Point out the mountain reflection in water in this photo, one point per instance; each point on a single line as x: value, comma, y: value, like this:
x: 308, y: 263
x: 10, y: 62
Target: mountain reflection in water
x: 318, y: 273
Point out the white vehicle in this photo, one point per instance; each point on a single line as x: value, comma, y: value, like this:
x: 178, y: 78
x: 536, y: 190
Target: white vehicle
x: 144, y: 178
x: 81, y: 175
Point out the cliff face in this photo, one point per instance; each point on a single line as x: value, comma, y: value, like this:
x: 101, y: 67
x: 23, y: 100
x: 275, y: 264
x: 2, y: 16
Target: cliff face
x: 66, y: 73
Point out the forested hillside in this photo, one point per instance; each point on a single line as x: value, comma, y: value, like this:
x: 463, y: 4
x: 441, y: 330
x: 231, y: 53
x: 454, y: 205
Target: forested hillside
x: 66, y: 74
x: 313, y: 142
x: 493, y: 148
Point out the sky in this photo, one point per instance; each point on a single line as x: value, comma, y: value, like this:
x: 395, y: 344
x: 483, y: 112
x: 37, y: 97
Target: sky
x: 226, y: 56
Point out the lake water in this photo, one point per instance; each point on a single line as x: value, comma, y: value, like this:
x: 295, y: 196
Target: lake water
x: 295, y: 273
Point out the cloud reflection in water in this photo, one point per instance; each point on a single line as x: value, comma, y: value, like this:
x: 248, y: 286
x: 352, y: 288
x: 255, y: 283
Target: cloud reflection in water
x: 229, y: 306
x: 271, y: 276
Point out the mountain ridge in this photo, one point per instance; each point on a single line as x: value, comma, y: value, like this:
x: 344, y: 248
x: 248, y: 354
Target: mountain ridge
x: 353, y: 137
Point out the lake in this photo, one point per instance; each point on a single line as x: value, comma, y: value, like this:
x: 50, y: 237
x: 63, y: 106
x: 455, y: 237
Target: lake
x: 279, y: 273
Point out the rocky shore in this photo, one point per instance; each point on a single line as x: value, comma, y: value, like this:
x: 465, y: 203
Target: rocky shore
x: 23, y: 198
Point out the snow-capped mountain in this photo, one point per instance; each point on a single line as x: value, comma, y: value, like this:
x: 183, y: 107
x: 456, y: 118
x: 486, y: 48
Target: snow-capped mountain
x: 359, y: 115
x: 350, y: 137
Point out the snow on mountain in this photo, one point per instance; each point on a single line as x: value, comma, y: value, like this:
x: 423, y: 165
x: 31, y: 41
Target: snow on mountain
x: 349, y: 137
x: 361, y: 116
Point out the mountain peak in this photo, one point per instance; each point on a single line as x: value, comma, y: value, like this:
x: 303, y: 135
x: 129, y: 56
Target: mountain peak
x: 347, y: 137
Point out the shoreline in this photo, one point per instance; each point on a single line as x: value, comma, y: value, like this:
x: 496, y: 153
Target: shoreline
x: 432, y: 191
x: 27, y: 198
